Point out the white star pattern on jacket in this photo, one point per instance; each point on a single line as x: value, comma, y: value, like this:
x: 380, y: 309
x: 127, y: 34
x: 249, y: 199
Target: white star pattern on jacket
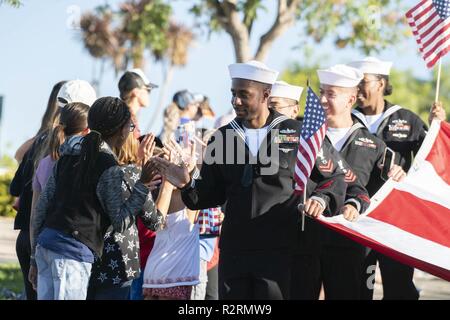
x: 102, y: 277
x: 116, y: 280
x: 109, y: 247
x: 134, y: 176
x: 113, y: 264
x: 133, y: 231
x: 119, y: 237
x: 130, y: 272
x: 147, y: 214
x: 131, y: 245
x: 125, y: 258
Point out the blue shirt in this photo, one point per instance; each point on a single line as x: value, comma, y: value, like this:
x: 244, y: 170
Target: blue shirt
x: 207, y: 248
x: 184, y: 120
x: 66, y: 245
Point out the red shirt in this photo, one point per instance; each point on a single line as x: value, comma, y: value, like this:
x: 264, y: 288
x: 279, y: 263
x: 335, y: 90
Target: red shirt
x: 146, y: 241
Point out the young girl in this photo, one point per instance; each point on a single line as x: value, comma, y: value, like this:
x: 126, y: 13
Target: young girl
x: 72, y: 125
x: 173, y: 267
x: 82, y: 198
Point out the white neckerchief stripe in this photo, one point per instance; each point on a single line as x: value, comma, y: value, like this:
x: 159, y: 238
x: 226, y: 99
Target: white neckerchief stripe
x: 238, y: 130
x: 361, y: 116
x: 241, y: 131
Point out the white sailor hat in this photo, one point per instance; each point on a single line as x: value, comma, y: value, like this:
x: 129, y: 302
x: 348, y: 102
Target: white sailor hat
x: 285, y: 90
x: 340, y: 75
x: 372, y: 65
x: 253, y: 70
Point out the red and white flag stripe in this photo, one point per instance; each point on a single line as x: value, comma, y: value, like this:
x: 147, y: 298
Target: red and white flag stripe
x: 432, y: 33
x: 410, y: 221
x: 307, y: 155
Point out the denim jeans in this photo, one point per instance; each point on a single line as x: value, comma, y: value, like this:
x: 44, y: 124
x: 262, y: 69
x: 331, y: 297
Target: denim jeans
x: 60, y: 278
x: 199, y: 290
x: 136, y: 288
x: 111, y: 292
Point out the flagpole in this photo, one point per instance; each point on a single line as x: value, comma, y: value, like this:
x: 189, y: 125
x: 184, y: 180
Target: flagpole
x: 304, y: 189
x: 303, y: 211
x: 438, y: 80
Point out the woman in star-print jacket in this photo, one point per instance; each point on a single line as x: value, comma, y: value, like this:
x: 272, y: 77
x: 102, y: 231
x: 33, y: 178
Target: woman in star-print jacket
x: 113, y: 273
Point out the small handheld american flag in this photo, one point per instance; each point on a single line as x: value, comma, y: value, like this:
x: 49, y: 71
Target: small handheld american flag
x: 430, y: 23
x: 312, y: 134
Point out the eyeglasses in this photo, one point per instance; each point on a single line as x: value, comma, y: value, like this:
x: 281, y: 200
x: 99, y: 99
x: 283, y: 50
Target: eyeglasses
x: 282, y: 107
x: 132, y: 127
x: 364, y: 82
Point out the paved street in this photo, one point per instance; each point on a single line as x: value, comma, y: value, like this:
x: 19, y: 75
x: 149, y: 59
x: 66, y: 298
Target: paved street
x: 7, y: 240
x: 430, y: 287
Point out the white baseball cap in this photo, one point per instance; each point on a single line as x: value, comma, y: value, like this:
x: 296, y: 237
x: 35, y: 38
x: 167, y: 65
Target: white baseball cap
x: 283, y: 89
x: 253, y: 70
x: 76, y: 91
x: 372, y: 65
x: 340, y: 75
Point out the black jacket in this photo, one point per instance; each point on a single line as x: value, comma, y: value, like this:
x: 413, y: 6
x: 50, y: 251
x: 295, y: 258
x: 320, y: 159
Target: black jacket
x: 401, y: 130
x: 22, y: 186
x: 79, y: 212
x: 364, y: 153
x: 261, y: 208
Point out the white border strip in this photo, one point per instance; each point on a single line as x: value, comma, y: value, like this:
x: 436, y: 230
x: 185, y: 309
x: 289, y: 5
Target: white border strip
x: 397, y: 239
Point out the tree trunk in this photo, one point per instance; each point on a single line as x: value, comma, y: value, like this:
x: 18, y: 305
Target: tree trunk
x: 168, y: 75
x: 138, y: 56
x: 241, y: 49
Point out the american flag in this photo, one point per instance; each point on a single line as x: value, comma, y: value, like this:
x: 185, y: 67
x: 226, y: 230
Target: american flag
x: 430, y: 23
x: 312, y: 134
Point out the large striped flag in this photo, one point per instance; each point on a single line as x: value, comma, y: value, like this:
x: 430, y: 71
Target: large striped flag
x: 430, y: 23
x: 313, y: 132
x: 410, y: 221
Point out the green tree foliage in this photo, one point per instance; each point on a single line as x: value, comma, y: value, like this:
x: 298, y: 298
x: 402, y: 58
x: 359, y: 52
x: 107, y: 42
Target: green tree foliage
x: 125, y: 34
x: 6, y: 200
x: 409, y: 91
x: 8, y: 167
x: 367, y: 25
x: 144, y: 25
x: 12, y: 3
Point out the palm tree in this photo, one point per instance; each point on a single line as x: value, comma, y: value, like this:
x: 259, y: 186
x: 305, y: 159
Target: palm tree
x: 144, y: 24
x: 179, y: 41
x: 123, y: 36
x: 102, y: 40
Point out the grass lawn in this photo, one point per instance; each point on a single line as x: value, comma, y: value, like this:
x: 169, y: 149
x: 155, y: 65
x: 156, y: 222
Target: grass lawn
x: 10, y: 279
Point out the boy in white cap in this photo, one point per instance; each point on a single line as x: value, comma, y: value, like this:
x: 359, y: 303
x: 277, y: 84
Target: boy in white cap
x: 402, y: 131
x: 284, y: 98
x: 134, y: 88
x: 261, y: 210
x: 341, y: 260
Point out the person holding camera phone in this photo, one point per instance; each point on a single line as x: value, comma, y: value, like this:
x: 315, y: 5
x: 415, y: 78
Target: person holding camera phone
x: 403, y: 132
